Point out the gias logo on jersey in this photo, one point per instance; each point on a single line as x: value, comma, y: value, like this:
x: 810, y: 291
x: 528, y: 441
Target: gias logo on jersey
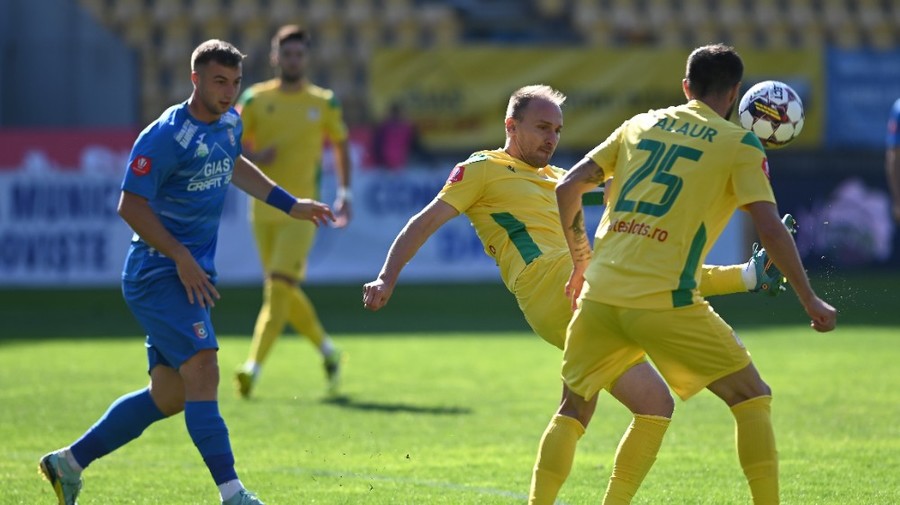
x: 765, y: 167
x: 457, y: 174
x: 141, y: 165
x: 200, y: 330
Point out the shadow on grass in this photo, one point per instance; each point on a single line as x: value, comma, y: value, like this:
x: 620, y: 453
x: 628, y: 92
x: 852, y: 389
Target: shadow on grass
x: 864, y: 298
x: 347, y: 402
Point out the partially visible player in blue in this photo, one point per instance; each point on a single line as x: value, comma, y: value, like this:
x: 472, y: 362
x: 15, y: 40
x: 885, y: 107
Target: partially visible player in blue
x: 172, y: 197
x: 892, y: 159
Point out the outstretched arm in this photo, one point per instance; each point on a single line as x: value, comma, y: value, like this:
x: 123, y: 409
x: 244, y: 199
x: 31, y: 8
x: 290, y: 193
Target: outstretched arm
x: 583, y: 177
x: 781, y: 248
x: 421, y: 226
x: 252, y: 181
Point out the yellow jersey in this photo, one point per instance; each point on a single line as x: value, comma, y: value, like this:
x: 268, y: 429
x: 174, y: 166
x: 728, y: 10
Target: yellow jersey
x: 499, y: 194
x: 680, y: 174
x: 296, y: 124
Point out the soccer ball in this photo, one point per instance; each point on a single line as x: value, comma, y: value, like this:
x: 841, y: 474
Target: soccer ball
x: 773, y: 111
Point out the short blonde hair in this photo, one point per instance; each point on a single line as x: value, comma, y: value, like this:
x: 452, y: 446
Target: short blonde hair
x: 523, y: 96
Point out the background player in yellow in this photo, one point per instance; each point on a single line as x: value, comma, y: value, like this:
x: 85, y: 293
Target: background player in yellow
x: 286, y: 122
x: 681, y: 172
x: 508, y: 194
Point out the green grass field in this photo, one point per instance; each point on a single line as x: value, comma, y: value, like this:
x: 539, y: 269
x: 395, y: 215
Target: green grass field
x: 436, y: 411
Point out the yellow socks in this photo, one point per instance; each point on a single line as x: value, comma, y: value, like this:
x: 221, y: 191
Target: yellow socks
x: 756, y: 448
x: 271, y: 320
x: 554, y: 459
x: 722, y: 280
x: 303, y: 318
x: 634, y: 457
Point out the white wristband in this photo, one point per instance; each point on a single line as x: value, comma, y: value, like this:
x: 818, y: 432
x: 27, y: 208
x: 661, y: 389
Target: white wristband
x: 344, y: 193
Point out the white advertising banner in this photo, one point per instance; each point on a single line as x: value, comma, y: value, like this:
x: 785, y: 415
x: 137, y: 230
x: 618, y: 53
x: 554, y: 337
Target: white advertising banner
x: 59, y: 226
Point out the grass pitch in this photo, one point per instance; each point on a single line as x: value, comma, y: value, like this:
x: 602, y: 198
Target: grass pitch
x: 451, y: 419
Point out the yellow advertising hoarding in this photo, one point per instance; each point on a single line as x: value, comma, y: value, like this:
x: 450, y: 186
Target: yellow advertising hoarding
x: 458, y: 97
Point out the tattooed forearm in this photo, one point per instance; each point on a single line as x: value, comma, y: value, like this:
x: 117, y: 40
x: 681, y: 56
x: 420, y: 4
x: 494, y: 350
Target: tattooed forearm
x: 582, y: 249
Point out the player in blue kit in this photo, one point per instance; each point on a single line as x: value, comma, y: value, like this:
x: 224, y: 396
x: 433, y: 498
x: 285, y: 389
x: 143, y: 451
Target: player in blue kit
x: 172, y: 197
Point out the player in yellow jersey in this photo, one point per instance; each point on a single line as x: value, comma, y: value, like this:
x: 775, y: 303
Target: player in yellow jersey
x: 681, y: 172
x: 286, y: 122
x: 508, y: 194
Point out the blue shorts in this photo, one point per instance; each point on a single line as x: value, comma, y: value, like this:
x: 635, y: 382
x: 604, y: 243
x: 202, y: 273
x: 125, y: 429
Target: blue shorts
x: 176, y: 329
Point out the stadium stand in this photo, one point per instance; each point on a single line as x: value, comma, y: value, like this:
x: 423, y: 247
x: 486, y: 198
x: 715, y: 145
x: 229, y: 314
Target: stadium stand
x: 347, y: 31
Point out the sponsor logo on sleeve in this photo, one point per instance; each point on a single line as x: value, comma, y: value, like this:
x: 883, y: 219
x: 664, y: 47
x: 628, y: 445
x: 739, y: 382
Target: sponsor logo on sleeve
x: 141, y: 165
x: 457, y: 174
x: 765, y: 167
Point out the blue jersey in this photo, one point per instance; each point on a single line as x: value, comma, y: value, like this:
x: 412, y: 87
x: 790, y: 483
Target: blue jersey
x: 893, y: 129
x: 183, y: 167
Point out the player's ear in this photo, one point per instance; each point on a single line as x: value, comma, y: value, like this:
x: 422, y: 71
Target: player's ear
x: 686, y: 88
x: 510, y: 125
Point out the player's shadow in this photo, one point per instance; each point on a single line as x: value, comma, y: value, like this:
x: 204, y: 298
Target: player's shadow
x: 347, y: 402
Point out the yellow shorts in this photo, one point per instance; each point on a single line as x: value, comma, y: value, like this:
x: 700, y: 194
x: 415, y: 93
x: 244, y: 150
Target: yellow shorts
x: 691, y: 346
x: 284, y: 246
x: 541, y: 293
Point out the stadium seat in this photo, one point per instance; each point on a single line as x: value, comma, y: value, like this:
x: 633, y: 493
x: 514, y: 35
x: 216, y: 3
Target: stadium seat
x: 729, y: 13
x: 396, y: 11
x: 176, y: 41
x: 137, y: 32
x: 440, y: 24
x: 203, y: 10
x: 126, y: 11
x: 880, y: 35
x: 244, y: 11
x: 669, y: 34
x: 624, y: 16
x: 658, y: 15
x: 834, y: 14
x: 800, y: 14
x: 255, y: 36
x: 319, y: 11
x: 845, y: 35
x: 217, y: 26
x: 551, y: 9
x: 812, y: 36
x: 587, y: 16
x: 358, y: 11
x: 167, y: 10
x: 329, y: 40
x: 366, y: 37
x: 283, y: 11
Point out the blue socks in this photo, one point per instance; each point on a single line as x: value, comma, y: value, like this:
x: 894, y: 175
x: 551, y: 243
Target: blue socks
x: 210, y: 435
x: 124, y: 421
x: 131, y: 414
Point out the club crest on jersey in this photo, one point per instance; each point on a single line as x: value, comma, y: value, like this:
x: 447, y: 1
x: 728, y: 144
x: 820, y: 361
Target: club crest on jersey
x: 202, y: 149
x: 457, y: 174
x: 765, y: 167
x: 200, y: 330
x: 231, y: 136
x: 141, y: 165
x: 313, y: 114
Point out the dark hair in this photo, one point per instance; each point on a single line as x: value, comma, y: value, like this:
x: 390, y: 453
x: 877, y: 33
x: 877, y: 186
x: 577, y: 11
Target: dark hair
x: 713, y: 69
x: 218, y: 51
x: 288, y: 33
